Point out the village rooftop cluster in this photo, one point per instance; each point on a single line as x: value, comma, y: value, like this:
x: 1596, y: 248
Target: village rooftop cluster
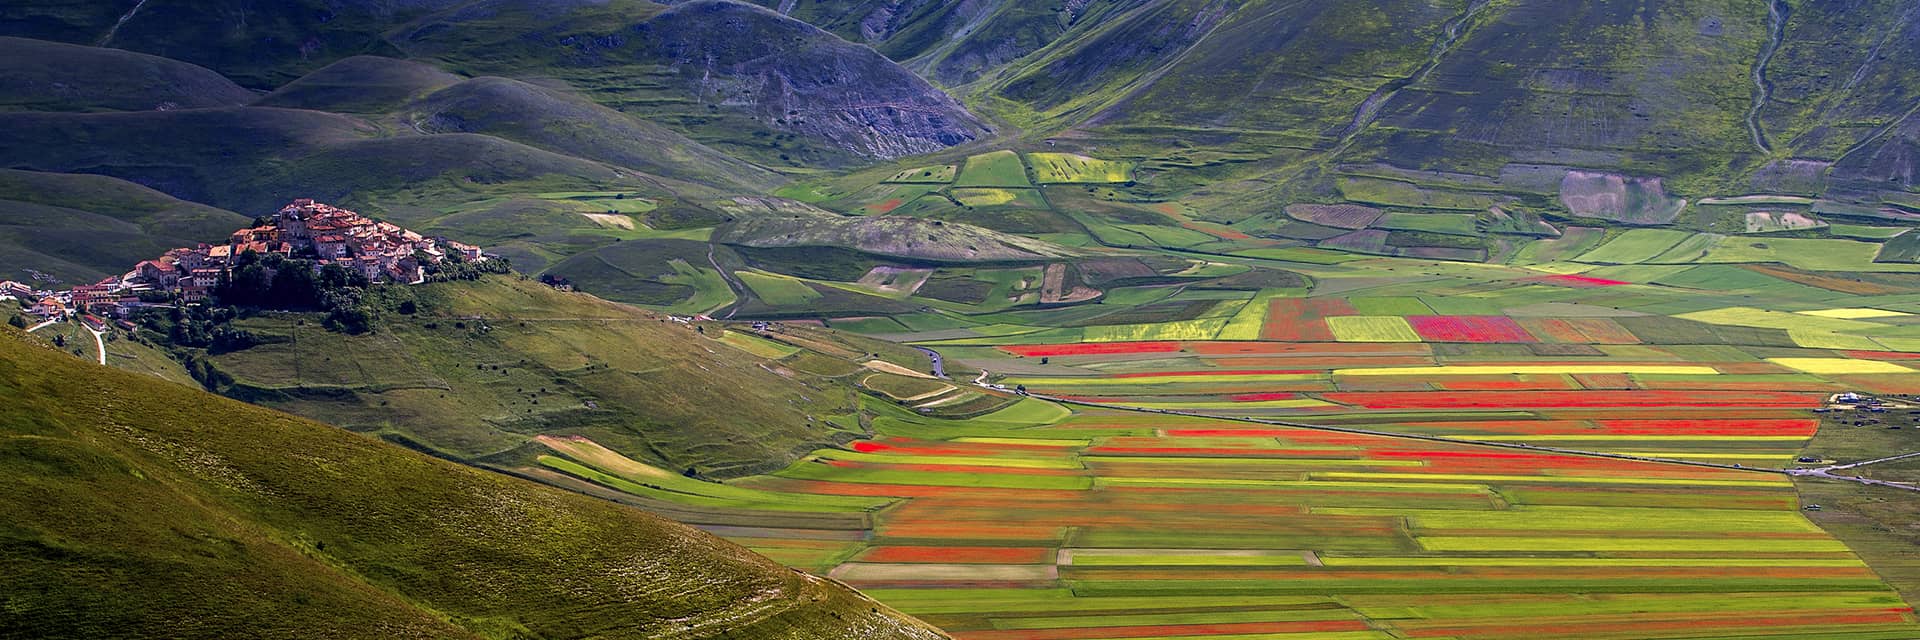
x: 308, y: 230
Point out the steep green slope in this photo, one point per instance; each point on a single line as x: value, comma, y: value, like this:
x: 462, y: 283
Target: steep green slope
x: 1288, y: 101
x: 140, y: 508
x: 80, y: 228
x: 143, y: 508
x: 1840, y: 76
x: 1657, y: 92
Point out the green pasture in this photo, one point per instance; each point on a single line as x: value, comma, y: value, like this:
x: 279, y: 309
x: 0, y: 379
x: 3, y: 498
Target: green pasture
x: 776, y: 289
x: 1634, y: 246
x: 993, y: 169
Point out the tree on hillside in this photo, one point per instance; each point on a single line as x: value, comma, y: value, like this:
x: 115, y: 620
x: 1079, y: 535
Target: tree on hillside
x: 17, y: 322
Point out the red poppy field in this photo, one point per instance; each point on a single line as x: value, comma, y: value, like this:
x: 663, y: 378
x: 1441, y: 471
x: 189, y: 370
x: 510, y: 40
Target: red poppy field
x: 1162, y: 499
x: 1191, y: 527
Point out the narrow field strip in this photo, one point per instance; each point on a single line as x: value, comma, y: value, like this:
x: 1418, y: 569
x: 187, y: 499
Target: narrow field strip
x: 1485, y: 370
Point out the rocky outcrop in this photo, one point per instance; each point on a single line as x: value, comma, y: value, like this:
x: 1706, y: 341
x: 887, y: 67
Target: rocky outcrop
x: 798, y: 78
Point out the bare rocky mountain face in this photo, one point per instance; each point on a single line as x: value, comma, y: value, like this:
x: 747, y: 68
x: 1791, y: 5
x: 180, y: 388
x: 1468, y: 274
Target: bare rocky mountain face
x: 804, y: 81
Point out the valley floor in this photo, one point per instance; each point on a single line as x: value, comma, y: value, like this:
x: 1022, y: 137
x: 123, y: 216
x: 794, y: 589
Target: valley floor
x: 1096, y: 520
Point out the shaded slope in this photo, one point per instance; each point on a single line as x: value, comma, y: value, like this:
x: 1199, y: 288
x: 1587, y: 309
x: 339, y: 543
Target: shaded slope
x: 360, y: 84
x: 132, y: 514
x: 1596, y: 84
x: 1842, y: 70
x: 37, y: 75
x: 1089, y: 70
x: 204, y: 155
x: 82, y: 227
x: 152, y: 211
x: 719, y: 70
x: 952, y: 42
x: 256, y: 158
x: 258, y: 44
x: 568, y: 124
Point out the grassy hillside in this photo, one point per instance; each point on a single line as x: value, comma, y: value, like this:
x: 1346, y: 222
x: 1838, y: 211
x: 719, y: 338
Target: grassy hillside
x: 1237, y: 111
x: 259, y: 45
x: 36, y: 75
x: 141, y: 508
x: 1597, y: 114
x: 255, y: 158
x: 566, y: 123
x: 481, y: 367
x: 82, y: 227
x: 360, y: 84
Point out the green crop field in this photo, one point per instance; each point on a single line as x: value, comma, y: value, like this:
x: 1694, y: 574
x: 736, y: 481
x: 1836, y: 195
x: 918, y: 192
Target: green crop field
x: 778, y: 290
x: 1862, y: 232
x: 1051, y: 516
x: 1806, y: 253
x: 1634, y: 247
x: 995, y: 169
x: 987, y: 513
x: 988, y: 197
x: 1447, y: 223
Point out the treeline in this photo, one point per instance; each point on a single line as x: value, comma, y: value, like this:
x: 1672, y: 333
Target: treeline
x: 351, y: 303
x: 274, y: 283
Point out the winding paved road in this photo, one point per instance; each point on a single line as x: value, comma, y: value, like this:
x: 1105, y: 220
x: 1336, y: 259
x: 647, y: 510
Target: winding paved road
x: 939, y: 363
x: 99, y: 345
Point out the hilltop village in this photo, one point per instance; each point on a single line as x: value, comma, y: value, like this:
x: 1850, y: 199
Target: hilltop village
x: 306, y: 230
